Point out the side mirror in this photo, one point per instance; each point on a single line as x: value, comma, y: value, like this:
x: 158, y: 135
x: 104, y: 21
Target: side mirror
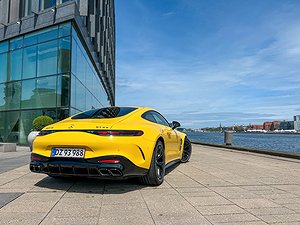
x: 175, y: 124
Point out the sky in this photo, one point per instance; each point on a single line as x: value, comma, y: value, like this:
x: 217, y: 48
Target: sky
x: 203, y: 63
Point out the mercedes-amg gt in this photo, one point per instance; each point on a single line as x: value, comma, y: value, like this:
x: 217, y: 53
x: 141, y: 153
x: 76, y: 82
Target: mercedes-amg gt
x: 112, y: 142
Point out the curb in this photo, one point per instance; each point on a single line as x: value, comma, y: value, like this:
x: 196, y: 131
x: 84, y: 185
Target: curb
x: 259, y: 151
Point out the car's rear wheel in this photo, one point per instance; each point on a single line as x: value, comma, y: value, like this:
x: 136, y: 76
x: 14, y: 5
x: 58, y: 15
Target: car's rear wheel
x: 55, y: 176
x: 156, y: 172
x: 187, y: 151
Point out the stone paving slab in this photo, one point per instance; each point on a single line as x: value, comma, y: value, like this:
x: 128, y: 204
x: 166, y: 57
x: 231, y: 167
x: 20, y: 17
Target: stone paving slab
x: 12, y: 160
x: 6, y: 198
x: 216, y: 187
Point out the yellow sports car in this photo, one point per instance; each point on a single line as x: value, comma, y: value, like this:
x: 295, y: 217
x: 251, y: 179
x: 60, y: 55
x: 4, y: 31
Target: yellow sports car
x: 113, y: 142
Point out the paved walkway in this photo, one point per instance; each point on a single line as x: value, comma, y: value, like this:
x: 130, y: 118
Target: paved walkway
x: 217, y: 186
x: 12, y: 160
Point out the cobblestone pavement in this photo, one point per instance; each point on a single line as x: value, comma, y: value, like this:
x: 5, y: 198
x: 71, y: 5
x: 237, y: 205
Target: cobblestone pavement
x: 217, y: 186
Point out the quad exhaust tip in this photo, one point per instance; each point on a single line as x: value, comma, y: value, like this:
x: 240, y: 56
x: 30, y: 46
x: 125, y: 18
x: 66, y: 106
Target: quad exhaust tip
x: 110, y: 172
x: 35, y: 168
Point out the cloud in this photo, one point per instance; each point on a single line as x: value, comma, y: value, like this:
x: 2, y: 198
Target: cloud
x: 249, y: 76
x: 171, y: 13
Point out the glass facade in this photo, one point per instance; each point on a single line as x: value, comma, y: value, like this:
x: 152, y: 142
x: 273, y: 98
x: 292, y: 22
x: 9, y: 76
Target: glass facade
x: 87, y: 91
x: 47, y: 72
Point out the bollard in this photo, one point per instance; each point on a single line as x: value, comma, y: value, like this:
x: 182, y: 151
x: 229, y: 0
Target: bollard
x: 32, y: 135
x: 228, y: 137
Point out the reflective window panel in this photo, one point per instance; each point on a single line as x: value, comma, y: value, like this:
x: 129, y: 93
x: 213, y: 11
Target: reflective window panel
x: 16, y: 43
x: 64, y: 59
x: 15, y: 64
x: 29, y: 94
x: 9, y: 126
x: 63, y: 90
x: 29, y: 62
x: 2, y: 97
x: 47, y: 58
x: 3, y: 67
x: 64, y: 29
x: 3, y: 46
x: 46, y: 92
x: 12, y: 95
x: 47, y: 34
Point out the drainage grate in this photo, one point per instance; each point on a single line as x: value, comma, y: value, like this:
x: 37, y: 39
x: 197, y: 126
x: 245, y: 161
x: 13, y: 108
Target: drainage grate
x: 6, y: 198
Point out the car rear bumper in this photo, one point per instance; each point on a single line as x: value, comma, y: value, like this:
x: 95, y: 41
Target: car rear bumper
x: 85, y: 167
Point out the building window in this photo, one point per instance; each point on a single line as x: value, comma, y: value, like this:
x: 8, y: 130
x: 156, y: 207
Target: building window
x: 29, y: 94
x: 2, y: 97
x: 3, y: 67
x: 29, y: 62
x: 16, y: 43
x: 12, y: 95
x: 4, y: 46
x: 27, y: 7
x: 15, y: 69
x: 62, y: 1
x: 46, y: 4
x: 63, y: 90
x: 64, y: 53
x: 47, y: 58
x: 46, y: 92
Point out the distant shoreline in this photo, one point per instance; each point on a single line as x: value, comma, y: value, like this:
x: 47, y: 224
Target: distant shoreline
x: 273, y: 141
x: 247, y: 132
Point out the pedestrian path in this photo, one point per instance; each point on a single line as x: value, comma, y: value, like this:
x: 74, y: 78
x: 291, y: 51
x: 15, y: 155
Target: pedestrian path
x: 217, y: 186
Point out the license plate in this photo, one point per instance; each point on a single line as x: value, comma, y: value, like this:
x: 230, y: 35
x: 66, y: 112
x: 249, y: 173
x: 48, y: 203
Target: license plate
x: 68, y: 152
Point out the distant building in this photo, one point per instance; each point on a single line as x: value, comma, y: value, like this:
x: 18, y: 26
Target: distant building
x: 275, y: 125
x: 267, y: 125
x: 256, y: 127
x: 297, y: 122
x: 286, y: 125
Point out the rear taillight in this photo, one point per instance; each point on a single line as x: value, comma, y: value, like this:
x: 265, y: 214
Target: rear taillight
x: 108, y: 161
x: 117, y: 132
x: 45, y: 132
x: 36, y: 157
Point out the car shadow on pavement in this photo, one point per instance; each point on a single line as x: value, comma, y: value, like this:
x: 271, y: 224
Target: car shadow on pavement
x: 92, y: 185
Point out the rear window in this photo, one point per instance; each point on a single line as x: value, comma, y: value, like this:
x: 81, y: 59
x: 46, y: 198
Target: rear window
x: 110, y: 112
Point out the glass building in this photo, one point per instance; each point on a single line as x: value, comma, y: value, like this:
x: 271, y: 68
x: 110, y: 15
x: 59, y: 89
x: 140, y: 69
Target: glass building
x: 55, y: 70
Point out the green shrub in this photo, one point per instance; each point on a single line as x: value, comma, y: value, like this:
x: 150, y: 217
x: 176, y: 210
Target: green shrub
x: 41, y: 121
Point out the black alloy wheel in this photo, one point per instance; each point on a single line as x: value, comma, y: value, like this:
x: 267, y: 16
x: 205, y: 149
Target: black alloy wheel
x: 160, y: 162
x: 156, y: 172
x: 187, y: 151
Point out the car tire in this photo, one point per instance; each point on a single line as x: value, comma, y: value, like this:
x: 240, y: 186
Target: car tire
x: 156, y: 173
x: 187, y: 151
x: 55, y: 176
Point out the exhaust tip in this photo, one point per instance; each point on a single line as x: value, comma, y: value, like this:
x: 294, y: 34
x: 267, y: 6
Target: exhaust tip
x: 35, y: 168
x: 104, y: 172
x: 115, y: 172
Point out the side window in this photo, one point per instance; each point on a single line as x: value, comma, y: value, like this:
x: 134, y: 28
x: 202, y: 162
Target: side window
x: 160, y: 119
x: 148, y: 116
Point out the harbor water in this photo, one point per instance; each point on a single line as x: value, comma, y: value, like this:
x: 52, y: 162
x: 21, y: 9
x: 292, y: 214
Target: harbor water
x: 279, y: 142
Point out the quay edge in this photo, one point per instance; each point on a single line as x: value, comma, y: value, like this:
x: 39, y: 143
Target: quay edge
x: 292, y: 155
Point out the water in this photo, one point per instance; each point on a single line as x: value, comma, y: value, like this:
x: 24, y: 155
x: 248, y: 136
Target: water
x: 279, y: 142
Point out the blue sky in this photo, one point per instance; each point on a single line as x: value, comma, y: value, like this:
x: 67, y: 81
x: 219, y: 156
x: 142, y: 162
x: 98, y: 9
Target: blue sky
x: 209, y: 62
